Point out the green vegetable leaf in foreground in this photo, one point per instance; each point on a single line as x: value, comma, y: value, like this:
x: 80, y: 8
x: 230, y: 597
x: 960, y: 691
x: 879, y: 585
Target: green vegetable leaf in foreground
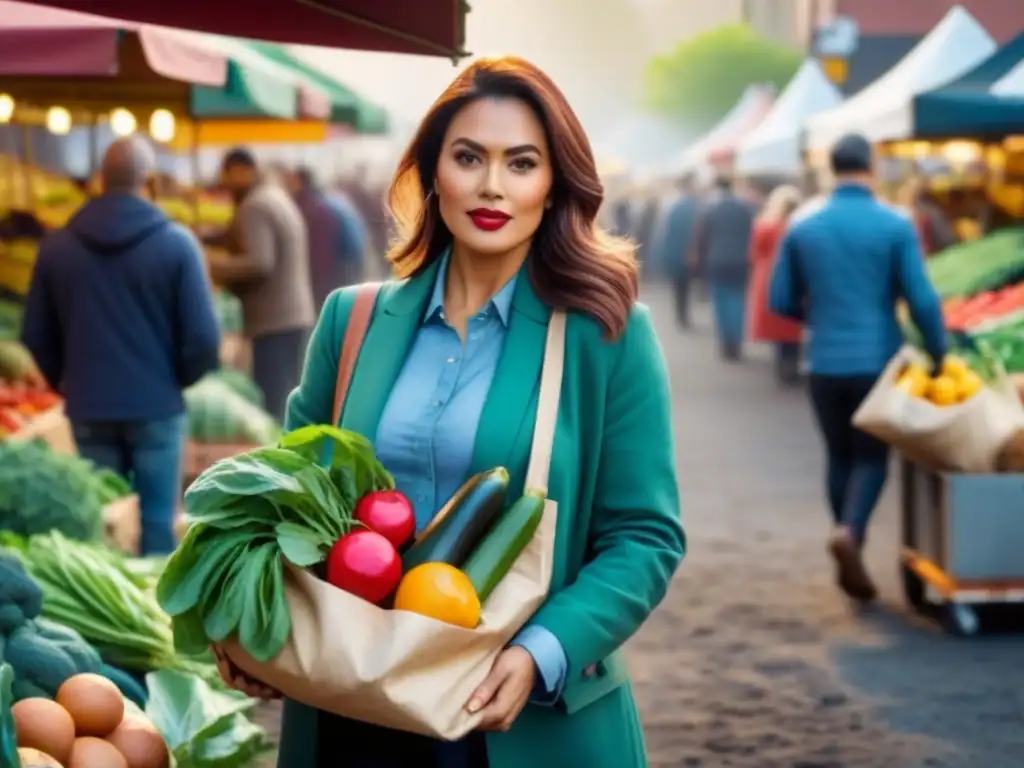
x: 349, y: 457
x: 204, y: 728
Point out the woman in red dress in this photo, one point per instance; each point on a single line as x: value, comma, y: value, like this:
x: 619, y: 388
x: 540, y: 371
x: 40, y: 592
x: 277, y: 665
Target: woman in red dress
x: 766, y: 326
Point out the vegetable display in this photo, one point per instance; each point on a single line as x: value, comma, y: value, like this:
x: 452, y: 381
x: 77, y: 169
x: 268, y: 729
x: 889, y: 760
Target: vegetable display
x: 221, y: 411
x: 42, y: 491
x: 320, y: 500
x: 43, y: 654
x: 89, y: 591
x: 970, y: 268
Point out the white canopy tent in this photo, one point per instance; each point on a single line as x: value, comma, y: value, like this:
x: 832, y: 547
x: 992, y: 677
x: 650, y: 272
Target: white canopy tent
x: 773, y: 148
x: 884, y: 110
x: 1010, y: 84
x: 751, y: 106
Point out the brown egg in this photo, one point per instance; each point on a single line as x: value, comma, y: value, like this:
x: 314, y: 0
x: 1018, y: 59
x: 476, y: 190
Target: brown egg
x: 33, y: 758
x: 44, y: 725
x: 140, y: 743
x: 94, y: 703
x: 90, y: 752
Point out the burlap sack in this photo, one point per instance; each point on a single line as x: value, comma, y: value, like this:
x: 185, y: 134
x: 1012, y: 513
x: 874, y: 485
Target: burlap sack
x: 399, y: 669
x: 958, y: 438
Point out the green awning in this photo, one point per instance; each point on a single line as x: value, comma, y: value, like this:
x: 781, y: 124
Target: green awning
x: 347, y: 107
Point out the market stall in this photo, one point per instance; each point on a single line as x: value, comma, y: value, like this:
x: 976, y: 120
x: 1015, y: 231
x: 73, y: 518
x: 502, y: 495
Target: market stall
x: 884, y: 110
x: 773, y: 148
x: 979, y: 104
x: 718, y: 144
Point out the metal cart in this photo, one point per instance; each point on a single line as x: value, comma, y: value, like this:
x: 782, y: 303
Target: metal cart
x: 963, y: 543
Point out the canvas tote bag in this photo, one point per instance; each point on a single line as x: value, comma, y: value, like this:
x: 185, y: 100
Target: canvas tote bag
x: 399, y: 669
x: 966, y: 437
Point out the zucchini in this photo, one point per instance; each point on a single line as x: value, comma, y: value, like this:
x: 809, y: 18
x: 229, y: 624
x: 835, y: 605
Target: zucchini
x: 498, y: 552
x: 456, y: 530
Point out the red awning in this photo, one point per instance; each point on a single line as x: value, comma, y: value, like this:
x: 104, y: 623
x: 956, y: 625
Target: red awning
x: 427, y: 27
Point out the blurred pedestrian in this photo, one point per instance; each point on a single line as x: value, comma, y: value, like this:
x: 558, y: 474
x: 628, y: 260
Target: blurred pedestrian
x: 120, y: 319
x: 933, y: 226
x: 337, y: 234
x: 842, y: 267
x: 672, y: 244
x: 721, y: 251
x: 765, y: 325
x: 267, y: 266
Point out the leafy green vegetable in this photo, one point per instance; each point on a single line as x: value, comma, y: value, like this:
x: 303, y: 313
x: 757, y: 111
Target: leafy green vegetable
x: 203, y: 728
x: 8, y: 734
x: 248, y: 515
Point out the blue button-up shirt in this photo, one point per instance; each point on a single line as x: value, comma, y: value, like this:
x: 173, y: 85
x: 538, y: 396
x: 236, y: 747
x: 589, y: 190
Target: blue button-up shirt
x: 428, y: 428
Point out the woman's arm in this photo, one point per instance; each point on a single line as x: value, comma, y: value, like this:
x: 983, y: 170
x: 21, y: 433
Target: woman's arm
x: 635, y: 534
x: 313, y: 400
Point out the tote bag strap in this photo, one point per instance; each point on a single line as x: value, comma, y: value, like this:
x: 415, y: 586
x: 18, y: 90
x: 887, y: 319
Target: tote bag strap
x: 358, y: 324
x: 547, y: 405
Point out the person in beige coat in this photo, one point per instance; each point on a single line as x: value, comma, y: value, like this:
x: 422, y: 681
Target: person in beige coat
x: 266, y: 264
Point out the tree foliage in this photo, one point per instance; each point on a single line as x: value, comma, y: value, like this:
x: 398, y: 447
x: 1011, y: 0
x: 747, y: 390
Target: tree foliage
x: 704, y: 76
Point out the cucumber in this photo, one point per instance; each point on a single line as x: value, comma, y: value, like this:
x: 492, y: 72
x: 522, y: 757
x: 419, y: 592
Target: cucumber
x: 456, y: 530
x: 494, y: 558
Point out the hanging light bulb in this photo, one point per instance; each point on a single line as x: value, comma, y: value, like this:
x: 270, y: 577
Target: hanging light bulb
x: 161, y: 126
x: 122, y: 122
x: 58, y: 121
x: 6, y: 107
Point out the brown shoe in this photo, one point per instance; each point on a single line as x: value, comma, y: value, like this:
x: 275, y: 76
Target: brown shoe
x: 851, y: 576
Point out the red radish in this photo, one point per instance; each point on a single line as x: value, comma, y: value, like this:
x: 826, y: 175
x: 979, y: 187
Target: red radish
x: 388, y: 513
x: 365, y: 564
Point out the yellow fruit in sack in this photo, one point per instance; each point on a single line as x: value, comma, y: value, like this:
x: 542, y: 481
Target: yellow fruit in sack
x: 943, y: 391
x: 954, y: 366
x: 440, y: 591
x: 914, y: 381
x: 968, y: 385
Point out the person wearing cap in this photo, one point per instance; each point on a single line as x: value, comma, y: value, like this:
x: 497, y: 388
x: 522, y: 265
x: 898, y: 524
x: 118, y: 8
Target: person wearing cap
x: 842, y: 267
x: 267, y: 267
x: 120, y: 319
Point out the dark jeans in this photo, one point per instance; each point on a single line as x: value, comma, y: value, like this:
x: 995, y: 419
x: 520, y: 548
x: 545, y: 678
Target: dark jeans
x: 148, y: 453
x: 857, y: 462
x: 681, y: 294
x: 729, y: 303
x: 787, y: 362
x: 277, y: 367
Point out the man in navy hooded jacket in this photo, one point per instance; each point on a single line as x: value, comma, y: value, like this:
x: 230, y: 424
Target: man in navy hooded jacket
x: 120, y: 319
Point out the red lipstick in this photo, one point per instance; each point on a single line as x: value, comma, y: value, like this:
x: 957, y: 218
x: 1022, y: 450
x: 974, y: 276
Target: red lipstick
x: 489, y: 220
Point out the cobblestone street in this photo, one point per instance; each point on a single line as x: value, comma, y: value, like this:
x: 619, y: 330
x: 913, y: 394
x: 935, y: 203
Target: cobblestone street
x: 754, y: 660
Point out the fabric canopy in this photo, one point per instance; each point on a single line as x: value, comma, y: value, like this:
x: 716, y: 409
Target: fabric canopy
x: 773, y: 148
x: 346, y: 106
x: 971, y: 105
x: 427, y: 27
x: 883, y: 111
x: 1012, y: 84
x: 745, y: 115
x: 40, y: 48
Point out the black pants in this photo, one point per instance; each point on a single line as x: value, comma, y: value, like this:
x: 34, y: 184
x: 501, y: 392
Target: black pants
x: 345, y: 743
x: 857, y: 462
x: 681, y: 294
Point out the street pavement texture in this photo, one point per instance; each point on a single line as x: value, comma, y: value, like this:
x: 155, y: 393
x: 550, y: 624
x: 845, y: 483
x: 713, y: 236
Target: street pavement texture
x: 754, y: 660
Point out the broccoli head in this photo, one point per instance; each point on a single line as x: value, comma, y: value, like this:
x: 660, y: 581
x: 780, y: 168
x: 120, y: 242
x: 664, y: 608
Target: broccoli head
x: 21, y: 599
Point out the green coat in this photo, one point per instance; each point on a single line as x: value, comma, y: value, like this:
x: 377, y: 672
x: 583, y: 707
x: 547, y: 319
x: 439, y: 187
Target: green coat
x: 613, y: 475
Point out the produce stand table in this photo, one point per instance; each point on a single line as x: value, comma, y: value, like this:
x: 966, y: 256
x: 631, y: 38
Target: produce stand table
x: 52, y: 427
x: 963, y: 543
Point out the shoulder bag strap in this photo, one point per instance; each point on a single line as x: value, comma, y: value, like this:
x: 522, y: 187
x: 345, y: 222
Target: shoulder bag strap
x: 547, y: 405
x: 358, y: 324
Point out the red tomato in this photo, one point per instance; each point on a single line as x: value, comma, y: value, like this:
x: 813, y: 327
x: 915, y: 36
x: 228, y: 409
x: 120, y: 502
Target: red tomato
x: 365, y: 564
x: 388, y: 513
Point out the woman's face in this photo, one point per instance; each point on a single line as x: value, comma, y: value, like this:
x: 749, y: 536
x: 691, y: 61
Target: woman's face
x: 494, y: 176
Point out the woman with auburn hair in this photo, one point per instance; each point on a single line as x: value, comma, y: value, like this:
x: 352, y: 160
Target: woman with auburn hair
x: 785, y: 334
x: 496, y: 200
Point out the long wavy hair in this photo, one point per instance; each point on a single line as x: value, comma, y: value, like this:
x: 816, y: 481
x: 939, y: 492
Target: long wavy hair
x: 573, y: 264
x: 781, y: 204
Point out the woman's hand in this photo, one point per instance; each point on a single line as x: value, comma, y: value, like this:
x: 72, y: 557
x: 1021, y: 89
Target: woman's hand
x: 234, y: 677
x: 502, y: 696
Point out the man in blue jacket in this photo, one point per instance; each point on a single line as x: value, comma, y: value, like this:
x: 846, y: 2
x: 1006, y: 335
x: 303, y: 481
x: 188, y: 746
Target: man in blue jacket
x: 120, y: 319
x: 673, y: 246
x: 842, y: 267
